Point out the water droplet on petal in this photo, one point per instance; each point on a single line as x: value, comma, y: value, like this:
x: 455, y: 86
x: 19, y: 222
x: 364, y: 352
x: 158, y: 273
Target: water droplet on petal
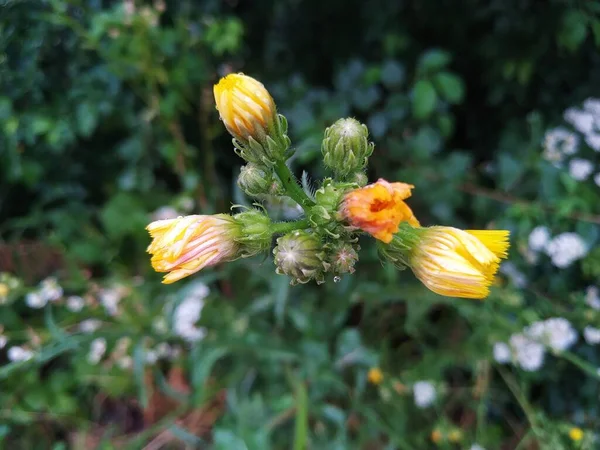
x: 337, y: 279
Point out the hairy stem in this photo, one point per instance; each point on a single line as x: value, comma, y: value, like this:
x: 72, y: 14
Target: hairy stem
x: 286, y: 227
x: 291, y: 186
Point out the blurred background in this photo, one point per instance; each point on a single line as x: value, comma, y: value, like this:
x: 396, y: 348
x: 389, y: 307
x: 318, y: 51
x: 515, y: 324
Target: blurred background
x: 107, y: 122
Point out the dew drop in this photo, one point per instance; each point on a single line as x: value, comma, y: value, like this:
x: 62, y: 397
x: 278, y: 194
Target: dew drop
x: 337, y: 279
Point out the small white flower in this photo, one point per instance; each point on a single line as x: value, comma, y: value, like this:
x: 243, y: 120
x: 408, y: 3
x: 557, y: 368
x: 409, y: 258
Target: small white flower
x: 3, y: 341
x: 502, y: 353
x: 75, y: 303
x: 36, y: 300
x: 528, y: 353
x: 97, y: 350
x: 50, y: 289
x: 581, y: 120
x: 163, y: 350
x: 591, y: 335
x: 185, y: 317
x: 125, y: 362
x: 557, y: 333
x: 151, y: 357
x: 592, y: 105
x: 592, y: 297
x: 593, y: 140
x: 198, y: 290
x: 597, y: 179
x: 165, y: 213
x: 17, y: 354
x: 110, y: 299
x: 580, y: 168
x: 476, y: 447
x: 559, y: 142
x: 424, y: 393
x: 89, y: 325
x: 565, y: 249
x: 539, y: 238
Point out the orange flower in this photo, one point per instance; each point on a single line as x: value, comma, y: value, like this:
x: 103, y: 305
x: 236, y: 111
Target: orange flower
x: 185, y: 245
x: 379, y: 208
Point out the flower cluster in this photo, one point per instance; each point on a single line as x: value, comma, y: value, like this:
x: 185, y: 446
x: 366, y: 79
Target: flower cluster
x: 323, y: 239
x: 563, y: 249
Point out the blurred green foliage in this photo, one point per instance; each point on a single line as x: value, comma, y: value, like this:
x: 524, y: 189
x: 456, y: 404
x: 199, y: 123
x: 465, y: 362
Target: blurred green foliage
x: 107, y: 119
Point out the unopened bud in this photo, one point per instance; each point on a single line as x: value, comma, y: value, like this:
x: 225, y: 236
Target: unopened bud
x: 345, y: 147
x: 359, y: 178
x: 342, y: 257
x: 256, y: 234
x: 249, y: 114
x: 327, y: 199
x: 255, y: 181
x: 300, y: 255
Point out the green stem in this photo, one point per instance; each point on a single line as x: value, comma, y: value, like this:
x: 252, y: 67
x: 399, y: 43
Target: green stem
x: 291, y: 186
x: 286, y: 227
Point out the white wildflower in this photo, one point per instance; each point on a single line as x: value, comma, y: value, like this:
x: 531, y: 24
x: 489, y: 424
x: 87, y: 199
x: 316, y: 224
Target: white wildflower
x: 517, y: 277
x: 565, y: 249
x: 559, y: 142
x: 593, y: 141
x: 110, y: 298
x: 424, y: 393
x: 75, y: 303
x: 528, y: 353
x: 597, y: 179
x: 89, y: 325
x: 17, y: 354
x: 97, y: 350
x: 582, y: 121
x: 580, y: 168
x: 476, y: 447
x: 36, y: 300
x: 3, y: 341
x: 185, y: 317
x: 163, y: 350
x: 125, y: 362
x: 592, y: 297
x: 592, y: 105
x: 198, y: 290
x: 165, y: 213
x: 539, y: 238
x: 151, y: 357
x: 502, y: 353
x: 591, y: 335
x: 557, y: 333
x: 50, y: 289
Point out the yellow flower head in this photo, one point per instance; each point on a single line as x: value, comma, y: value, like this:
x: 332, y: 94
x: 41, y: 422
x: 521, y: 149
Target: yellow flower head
x: 185, y: 245
x: 436, y: 436
x: 455, y: 436
x: 375, y: 375
x: 379, y: 208
x: 458, y: 263
x: 576, y: 434
x: 4, y: 290
x: 245, y: 106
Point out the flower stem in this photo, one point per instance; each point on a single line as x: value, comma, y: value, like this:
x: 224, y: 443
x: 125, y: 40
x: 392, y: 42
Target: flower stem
x: 286, y: 227
x: 291, y: 186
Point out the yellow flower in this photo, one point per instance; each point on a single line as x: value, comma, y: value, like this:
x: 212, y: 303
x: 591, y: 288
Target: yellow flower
x: 455, y: 436
x: 379, y: 208
x: 458, y: 263
x: 3, y: 290
x: 185, y: 245
x: 375, y: 375
x: 245, y: 106
x: 576, y: 434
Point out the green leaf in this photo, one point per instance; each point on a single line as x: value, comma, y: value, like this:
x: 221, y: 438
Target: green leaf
x: 510, y: 170
x: 573, y: 30
x: 424, y: 99
x: 86, y: 119
x: 450, y: 87
x: 433, y: 60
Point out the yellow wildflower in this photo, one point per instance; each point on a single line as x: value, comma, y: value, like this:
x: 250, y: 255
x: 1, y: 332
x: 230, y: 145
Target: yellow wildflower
x: 379, y: 208
x: 4, y: 290
x: 436, y: 436
x: 576, y: 434
x: 375, y: 375
x: 188, y: 244
x: 458, y: 263
x: 455, y: 436
x: 245, y: 106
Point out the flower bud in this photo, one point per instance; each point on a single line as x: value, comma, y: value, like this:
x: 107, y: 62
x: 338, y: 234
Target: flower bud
x: 249, y: 114
x: 342, y: 257
x: 345, y: 147
x: 255, y: 232
x: 327, y: 199
x: 300, y: 255
x: 255, y: 181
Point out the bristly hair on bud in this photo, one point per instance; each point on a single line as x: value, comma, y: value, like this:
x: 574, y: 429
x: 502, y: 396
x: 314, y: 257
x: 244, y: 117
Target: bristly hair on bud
x: 300, y: 255
x: 449, y: 261
x: 249, y: 114
x: 257, y: 181
x: 346, y: 148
